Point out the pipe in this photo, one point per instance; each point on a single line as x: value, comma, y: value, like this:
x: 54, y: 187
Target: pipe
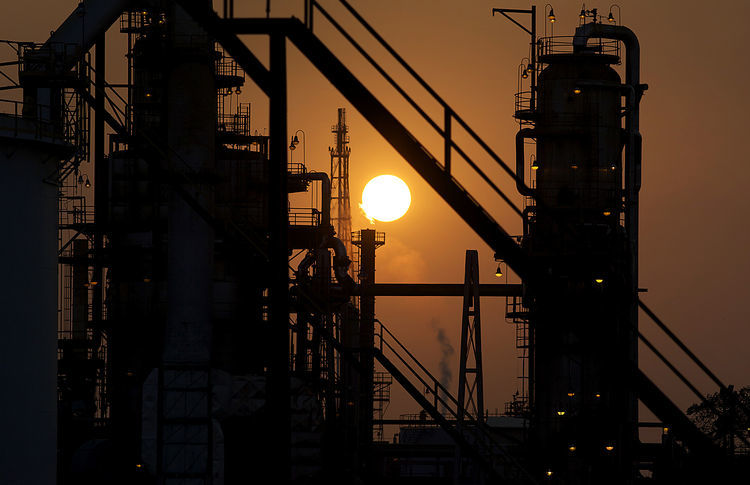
x: 341, y: 264
x: 305, y: 264
x: 633, y: 79
x: 521, y: 186
x: 326, y: 194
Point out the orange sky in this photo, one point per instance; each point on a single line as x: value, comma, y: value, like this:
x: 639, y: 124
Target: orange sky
x: 694, y: 201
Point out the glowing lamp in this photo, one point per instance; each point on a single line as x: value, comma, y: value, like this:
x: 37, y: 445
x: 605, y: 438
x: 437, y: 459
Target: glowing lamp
x: 552, y: 19
x: 561, y: 413
x: 609, y: 447
x: 525, y: 74
x: 582, y: 14
x: 498, y: 271
x: 606, y: 213
x: 611, y: 18
x: 572, y: 448
x: 535, y: 165
x: 577, y: 91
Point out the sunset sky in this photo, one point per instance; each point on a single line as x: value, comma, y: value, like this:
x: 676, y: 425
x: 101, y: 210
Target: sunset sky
x: 695, y: 201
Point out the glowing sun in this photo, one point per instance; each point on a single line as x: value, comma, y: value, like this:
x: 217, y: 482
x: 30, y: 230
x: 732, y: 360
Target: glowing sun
x: 385, y: 198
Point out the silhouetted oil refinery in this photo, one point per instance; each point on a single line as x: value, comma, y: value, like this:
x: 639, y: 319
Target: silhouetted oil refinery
x: 188, y: 301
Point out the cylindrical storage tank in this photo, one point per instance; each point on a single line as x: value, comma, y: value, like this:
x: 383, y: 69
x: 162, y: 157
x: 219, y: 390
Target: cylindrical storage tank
x: 28, y: 332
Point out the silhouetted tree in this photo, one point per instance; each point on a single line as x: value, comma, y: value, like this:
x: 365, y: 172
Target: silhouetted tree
x: 725, y: 417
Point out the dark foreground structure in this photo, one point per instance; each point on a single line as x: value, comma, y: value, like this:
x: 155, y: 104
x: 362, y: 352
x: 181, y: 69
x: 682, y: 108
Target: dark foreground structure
x: 207, y: 333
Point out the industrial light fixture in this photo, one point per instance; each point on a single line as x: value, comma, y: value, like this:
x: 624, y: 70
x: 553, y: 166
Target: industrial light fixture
x: 87, y: 184
x: 574, y: 165
x: 599, y: 280
x: 609, y: 447
x: 571, y: 393
x: 606, y: 213
x: 577, y: 90
x: 551, y: 17
x: 80, y: 180
x: 572, y: 448
x: 561, y: 412
x: 529, y: 68
x: 582, y: 14
x: 597, y: 395
x: 295, y: 140
x: 665, y: 430
x: 525, y: 74
x: 548, y: 473
x: 611, y: 18
x: 498, y: 271
x: 613, y: 167
x: 534, y: 165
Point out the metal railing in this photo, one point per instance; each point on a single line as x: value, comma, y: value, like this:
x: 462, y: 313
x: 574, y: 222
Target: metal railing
x: 563, y: 44
x: 35, y: 122
x: 449, y: 114
x: 304, y: 217
x: 476, y: 433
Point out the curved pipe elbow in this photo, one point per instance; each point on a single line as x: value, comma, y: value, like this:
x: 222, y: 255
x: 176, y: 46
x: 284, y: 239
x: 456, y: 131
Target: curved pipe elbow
x: 614, y: 32
x: 325, y: 194
x: 521, y: 186
x: 341, y: 264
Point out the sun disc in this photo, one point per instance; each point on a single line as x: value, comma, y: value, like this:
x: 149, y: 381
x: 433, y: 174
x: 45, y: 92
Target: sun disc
x: 385, y: 198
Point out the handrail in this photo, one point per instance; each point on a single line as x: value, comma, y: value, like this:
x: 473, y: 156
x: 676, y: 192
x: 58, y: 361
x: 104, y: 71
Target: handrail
x: 480, y: 435
x: 723, y: 388
x: 449, y: 113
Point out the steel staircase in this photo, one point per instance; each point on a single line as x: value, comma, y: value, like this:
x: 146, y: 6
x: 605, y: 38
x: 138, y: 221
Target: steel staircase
x: 473, y: 437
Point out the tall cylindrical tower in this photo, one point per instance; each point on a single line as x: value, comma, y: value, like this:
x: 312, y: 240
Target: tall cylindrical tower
x: 584, y: 340
x: 31, y: 149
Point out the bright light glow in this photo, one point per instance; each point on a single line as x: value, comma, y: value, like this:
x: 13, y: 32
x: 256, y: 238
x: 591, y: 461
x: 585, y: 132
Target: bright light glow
x: 498, y: 271
x: 599, y: 280
x: 385, y: 198
x: 609, y: 447
x: 561, y: 413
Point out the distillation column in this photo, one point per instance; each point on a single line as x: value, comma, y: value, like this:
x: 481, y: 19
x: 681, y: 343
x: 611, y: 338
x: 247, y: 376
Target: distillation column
x: 585, y: 407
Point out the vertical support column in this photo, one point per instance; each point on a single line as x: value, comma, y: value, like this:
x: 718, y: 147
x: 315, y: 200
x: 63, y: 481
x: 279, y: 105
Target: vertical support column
x: 100, y: 185
x: 186, y: 440
x: 367, y: 244
x: 278, y: 375
x: 80, y: 297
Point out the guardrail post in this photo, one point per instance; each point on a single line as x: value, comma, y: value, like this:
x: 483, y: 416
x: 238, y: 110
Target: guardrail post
x: 447, y: 138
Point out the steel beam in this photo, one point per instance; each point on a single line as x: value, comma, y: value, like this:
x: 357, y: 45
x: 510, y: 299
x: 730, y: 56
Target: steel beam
x: 440, y: 289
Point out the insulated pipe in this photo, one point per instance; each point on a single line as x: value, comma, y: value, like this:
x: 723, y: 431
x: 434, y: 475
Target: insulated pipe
x: 521, y: 186
x: 632, y: 78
